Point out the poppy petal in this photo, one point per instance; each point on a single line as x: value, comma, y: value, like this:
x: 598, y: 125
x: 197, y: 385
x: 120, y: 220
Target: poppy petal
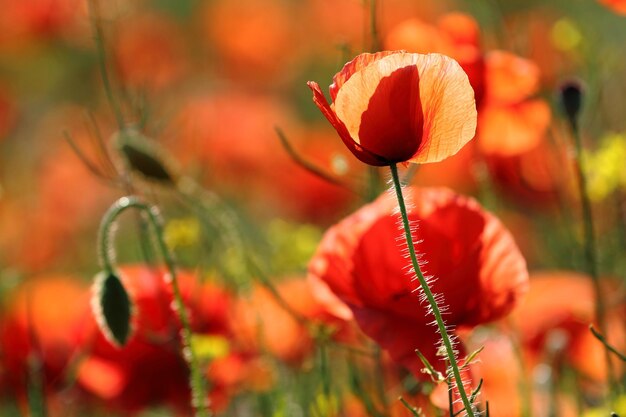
x: 392, y: 124
x: 449, y: 109
x: 386, y: 330
x: 358, y: 63
x: 363, y: 155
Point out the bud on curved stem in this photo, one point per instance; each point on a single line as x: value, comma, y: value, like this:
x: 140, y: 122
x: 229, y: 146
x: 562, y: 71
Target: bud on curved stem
x: 106, y: 249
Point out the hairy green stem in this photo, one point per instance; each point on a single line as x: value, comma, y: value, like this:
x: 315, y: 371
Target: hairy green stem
x: 447, y: 342
x: 197, y: 382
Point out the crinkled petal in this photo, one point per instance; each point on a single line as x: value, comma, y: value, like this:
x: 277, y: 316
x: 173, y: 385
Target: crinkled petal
x: 358, y: 63
x: 363, y: 155
x: 392, y: 124
x: 448, y: 105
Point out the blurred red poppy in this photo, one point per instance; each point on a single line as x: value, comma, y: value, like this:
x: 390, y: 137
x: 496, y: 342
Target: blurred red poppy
x: 27, y: 20
x: 59, y: 213
x: 150, y: 369
x: 261, y: 324
x: 41, y: 333
x: 618, y: 6
x: 8, y: 113
x: 255, y: 40
x: 394, y: 107
x: 511, y: 122
x: 549, y: 322
x: 214, y: 133
x: 537, y: 177
x: 149, y: 52
x: 478, y: 269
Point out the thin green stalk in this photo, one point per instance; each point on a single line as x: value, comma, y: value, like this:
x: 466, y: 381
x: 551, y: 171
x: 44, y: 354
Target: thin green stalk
x: 197, y: 382
x: 429, y: 295
x: 94, y: 13
x: 380, y: 382
x: 590, y: 246
x: 606, y: 344
x: 374, y: 38
x: 35, y: 383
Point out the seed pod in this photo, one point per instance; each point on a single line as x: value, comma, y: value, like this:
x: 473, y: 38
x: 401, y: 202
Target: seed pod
x: 571, y: 97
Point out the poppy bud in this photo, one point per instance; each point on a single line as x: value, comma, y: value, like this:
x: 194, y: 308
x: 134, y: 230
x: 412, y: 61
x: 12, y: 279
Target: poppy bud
x: 571, y: 96
x: 143, y: 158
x: 111, y: 306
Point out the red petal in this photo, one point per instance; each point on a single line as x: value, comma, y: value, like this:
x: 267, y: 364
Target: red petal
x: 401, y: 337
x: 393, y: 122
x: 362, y: 154
x: 449, y: 108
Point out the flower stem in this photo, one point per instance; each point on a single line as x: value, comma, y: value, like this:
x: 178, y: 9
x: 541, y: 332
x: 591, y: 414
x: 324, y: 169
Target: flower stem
x: 590, y: 246
x: 429, y: 295
x: 96, y: 23
x: 197, y: 382
x: 374, y: 38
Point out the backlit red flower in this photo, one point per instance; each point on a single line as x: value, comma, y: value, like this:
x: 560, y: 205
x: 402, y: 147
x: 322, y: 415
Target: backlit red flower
x: 477, y: 266
x: 394, y: 107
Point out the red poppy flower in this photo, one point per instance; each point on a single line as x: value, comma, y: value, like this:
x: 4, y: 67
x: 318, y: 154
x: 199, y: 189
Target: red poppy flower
x: 149, y: 52
x: 394, y: 107
x: 478, y: 269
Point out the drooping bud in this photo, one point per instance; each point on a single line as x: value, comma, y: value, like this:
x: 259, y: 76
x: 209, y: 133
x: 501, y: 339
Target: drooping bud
x: 143, y: 157
x: 571, y: 97
x: 112, y: 308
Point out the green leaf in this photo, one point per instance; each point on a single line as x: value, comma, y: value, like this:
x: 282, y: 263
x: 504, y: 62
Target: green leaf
x: 112, y: 308
x: 435, y: 375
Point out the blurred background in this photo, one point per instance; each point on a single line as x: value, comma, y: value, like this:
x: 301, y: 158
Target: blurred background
x: 204, y: 86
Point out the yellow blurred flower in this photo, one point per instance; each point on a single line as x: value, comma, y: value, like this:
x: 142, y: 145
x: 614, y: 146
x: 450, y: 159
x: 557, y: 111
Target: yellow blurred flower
x: 605, y: 167
x: 181, y: 233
